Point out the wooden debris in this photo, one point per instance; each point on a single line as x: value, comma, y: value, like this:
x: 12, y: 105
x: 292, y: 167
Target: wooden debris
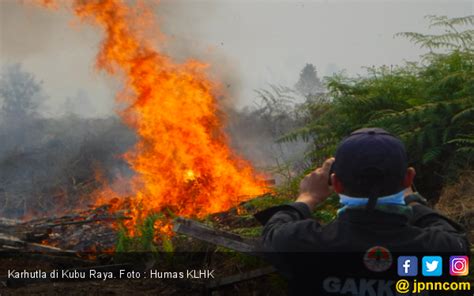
x: 66, y: 232
x: 217, y: 237
x: 225, y: 239
x: 12, y: 243
x: 4, y: 222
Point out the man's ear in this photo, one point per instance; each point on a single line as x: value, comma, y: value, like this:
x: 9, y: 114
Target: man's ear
x: 336, y: 184
x: 409, y: 177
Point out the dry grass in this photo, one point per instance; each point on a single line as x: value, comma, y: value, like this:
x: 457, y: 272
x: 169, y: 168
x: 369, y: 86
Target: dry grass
x: 457, y: 202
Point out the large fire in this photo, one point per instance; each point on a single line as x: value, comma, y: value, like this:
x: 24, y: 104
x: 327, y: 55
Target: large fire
x: 182, y: 161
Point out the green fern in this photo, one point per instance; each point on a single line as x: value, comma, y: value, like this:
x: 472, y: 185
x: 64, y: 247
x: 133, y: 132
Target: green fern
x: 452, y: 39
x: 429, y: 104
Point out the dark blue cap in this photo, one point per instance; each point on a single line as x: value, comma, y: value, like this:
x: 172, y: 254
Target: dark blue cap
x: 371, y: 162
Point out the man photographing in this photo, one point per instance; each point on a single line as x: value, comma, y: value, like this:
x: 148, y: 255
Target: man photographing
x: 370, y: 174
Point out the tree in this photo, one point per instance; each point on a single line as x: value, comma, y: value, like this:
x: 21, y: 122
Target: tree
x: 309, y: 84
x: 20, y: 93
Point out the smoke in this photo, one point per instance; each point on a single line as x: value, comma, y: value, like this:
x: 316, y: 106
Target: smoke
x: 62, y: 132
x: 33, y: 35
x: 252, y: 135
x: 256, y: 132
x: 47, y: 37
x: 54, y: 47
x: 51, y: 164
x: 183, y: 22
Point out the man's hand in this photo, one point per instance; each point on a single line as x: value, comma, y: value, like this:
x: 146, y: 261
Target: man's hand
x: 314, y: 188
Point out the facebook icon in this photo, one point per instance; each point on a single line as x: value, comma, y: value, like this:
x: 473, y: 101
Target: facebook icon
x: 407, y: 266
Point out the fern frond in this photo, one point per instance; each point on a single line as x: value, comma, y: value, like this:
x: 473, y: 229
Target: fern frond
x: 466, y: 114
x: 443, y: 21
x: 432, y: 154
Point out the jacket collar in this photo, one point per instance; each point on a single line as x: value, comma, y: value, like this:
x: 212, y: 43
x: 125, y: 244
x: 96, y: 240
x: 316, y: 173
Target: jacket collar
x: 382, y: 214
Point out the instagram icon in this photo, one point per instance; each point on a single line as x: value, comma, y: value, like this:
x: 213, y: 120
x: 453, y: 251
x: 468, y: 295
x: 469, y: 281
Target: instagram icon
x: 458, y: 265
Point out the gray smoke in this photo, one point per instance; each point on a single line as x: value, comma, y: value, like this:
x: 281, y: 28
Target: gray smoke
x: 49, y: 164
x: 254, y: 129
x: 256, y: 133
x: 59, y: 128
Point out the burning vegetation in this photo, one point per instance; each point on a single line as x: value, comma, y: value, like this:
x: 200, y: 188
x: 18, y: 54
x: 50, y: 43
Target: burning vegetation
x: 182, y: 160
x: 176, y: 160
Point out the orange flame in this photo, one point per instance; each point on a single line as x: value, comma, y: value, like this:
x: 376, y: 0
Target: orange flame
x: 182, y: 159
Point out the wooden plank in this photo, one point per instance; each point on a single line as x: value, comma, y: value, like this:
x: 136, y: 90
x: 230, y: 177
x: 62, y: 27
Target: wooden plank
x: 25, y: 234
x: 225, y: 239
x: 217, y: 237
x: 91, y: 220
x: 5, y: 222
x: 11, y: 243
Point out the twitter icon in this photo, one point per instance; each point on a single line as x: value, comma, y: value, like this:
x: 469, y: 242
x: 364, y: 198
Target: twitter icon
x: 432, y: 266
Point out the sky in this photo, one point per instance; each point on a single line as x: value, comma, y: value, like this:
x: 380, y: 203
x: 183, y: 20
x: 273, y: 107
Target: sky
x: 248, y: 44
